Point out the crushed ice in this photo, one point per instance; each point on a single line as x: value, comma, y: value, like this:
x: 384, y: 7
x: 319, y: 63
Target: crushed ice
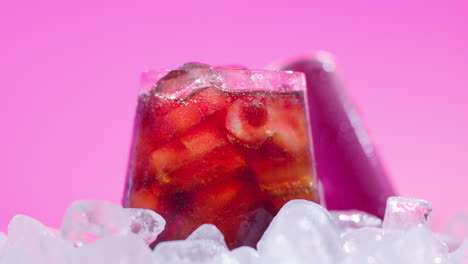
x: 302, y: 232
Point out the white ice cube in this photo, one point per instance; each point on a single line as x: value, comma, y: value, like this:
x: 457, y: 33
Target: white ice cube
x: 246, y: 255
x: 460, y: 255
x: 417, y: 245
x: 208, y: 232
x: 31, y: 242
x: 145, y: 223
x: 302, y: 232
x: 113, y: 249
x: 3, y: 241
x: 363, y: 241
x: 355, y: 219
x: 25, y: 228
x: 404, y: 213
x: 86, y: 221
x: 191, y: 251
x: 240, y: 79
x: 186, y: 80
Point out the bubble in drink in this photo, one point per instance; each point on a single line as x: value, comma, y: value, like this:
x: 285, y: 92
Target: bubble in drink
x: 210, y: 148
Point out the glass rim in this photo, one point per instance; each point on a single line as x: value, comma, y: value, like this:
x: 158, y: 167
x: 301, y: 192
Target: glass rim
x: 233, y: 69
x: 234, y: 79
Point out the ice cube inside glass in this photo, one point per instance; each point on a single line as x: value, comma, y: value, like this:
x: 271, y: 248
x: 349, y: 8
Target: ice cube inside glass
x: 223, y: 146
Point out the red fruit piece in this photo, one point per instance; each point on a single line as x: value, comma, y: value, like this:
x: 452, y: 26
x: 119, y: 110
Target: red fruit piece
x: 216, y: 166
x: 191, y: 145
x: 252, y: 120
x: 198, y: 108
x: 245, y: 220
x: 147, y: 137
x: 166, y: 159
x: 147, y: 198
x: 205, y: 206
x: 285, y: 179
x: 288, y: 122
x: 231, y: 206
x: 210, y: 100
x: 194, y: 109
x: 166, y: 118
x: 255, y: 114
x: 202, y: 156
x: 246, y: 120
x: 152, y: 116
x: 203, y: 139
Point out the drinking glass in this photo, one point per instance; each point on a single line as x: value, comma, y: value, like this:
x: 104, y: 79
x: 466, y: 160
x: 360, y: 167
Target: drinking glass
x: 223, y: 146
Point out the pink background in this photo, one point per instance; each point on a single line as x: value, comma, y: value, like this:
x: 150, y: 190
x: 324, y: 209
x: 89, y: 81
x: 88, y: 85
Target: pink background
x: 69, y: 74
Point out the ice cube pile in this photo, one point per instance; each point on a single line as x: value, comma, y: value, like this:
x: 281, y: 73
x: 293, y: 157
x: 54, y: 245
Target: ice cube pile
x: 302, y: 232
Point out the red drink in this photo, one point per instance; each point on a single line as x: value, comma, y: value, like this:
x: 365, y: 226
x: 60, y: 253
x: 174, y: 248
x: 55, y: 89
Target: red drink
x: 229, y: 151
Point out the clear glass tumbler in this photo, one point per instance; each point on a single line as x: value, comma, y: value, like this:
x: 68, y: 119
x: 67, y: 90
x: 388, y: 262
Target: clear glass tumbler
x: 223, y: 146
